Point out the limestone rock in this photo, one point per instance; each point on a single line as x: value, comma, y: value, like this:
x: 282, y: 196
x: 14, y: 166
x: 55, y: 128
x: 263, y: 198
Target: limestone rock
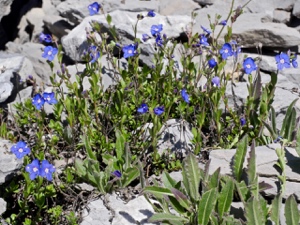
x: 9, y: 163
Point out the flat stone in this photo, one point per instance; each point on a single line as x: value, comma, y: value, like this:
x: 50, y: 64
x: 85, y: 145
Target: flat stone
x: 2, y: 206
x: 9, y: 163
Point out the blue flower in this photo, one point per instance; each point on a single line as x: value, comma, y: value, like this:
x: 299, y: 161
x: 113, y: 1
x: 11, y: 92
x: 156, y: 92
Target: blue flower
x: 156, y: 29
x: 94, y: 54
x: 294, y: 62
x: 249, y: 65
x: 159, y: 41
x: 203, y: 40
x: 117, y: 173
x: 46, y: 170
x: 38, y: 101
x: 223, y: 22
x: 145, y: 37
x: 226, y: 51
x: 212, y: 63
x: 185, y: 96
x: 143, y: 108
x: 33, y: 169
x: 45, y: 37
x: 215, y: 82
x: 49, y: 97
x: 129, y: 50
x: 206, y: 30
x: 20, y: 149
x: 151, y: 13
x: 49, y: 53
x: 243, y: 121
x: 94, y: 8
x: 283, y: 61
x: 158, y: 110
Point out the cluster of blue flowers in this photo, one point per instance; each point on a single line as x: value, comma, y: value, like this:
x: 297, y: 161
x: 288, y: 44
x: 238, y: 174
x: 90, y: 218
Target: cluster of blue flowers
x: 284, y: 60
x: 49, y: 51
x: 94, y: 8
x: 44, y: 169
x: 144, y: 109
x: 38, y: 100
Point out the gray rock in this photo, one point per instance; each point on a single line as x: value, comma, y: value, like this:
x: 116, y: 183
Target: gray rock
x: 177, y: 7
x: 57, y: 25
x: 2, y: 206
x: 75, y: 42
x: 116, y: 212
x: 6, y: 89
x: 5, y: 7
x: 9, y: 163
x: 296, y: 9
x: 33, y: 51
x: 280, y: 16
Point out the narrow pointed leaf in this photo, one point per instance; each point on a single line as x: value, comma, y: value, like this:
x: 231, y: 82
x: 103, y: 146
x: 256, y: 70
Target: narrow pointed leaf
x: 225, y: 197
x: 298, y: 143
x: 158, y: 192
x: 191, y: 176
x: 168, y: 181
x: 206, y: 206
x: 165, y: 217
x: 291, y: 211
x: 182, y: 199
x: 239, y: 158
x: 283, y: 130
x: 275, y: 210
x: 254, y: 212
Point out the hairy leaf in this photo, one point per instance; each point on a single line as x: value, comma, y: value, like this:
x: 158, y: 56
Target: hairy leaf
x: 171, y: 219
x: 191, y: 176
x: 251, y: 170
x: 285, y: 125
x: 275, y: 210
x: 206, y: 206
x: 225, y: 197
x: 254, y: 212
x: 239, y: 158
x: 158, y: 192
x: 291, y: 211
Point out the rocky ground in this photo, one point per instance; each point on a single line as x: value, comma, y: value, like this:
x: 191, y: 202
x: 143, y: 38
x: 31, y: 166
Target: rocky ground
x: 273, y: 24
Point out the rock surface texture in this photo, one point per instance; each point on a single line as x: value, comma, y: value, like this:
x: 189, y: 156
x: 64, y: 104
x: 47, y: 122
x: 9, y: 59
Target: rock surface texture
x: 272, y: 24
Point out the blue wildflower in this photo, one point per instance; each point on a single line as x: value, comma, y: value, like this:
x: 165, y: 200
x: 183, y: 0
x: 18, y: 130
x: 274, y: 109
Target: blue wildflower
x: 226, y: 51
x: 145, y: 37
x: 283, y: 61
x: 94, y: 8
x: 243, y: 121
x: 249, y: 65
x: 185, y: 96
x: 206, y: 30
x: 49, y: 97
x: 38, y: 101
x: 117, y: 173
x: 129, y: 50
x: 46, y: 170
x: 94, y: 54
x: 159, y: 41
x: 216, y: 81
x: 45, y: 37
x: 20, y: 149
x: 143, y: 108
x: 156, y: 29
x: 151, y: 13
x: 212, y: 63
x: 203, y: 40
x: 158, y: 110
x: 33, y: 169
x: 223, y: 22
x: 49, y: 53
x: 294, y: 61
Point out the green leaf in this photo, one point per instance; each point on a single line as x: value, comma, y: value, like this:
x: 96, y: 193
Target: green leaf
x: 291, y: 211
x: 167, y: 180
x: 239, y: 158
x: 182, y: 199
x: 130, y: 175
x: 251, y: 170
x: 254, y: 212
x: 191, y: 176
x: 285, y: 124
x: 88, y: 148
x: 206, y: 206
x: 158, y: 192
x: 275, y: 210
x: 108, y: 19
x: 225, y: 197
x: 165, y: 217
x: 298, y: 143
x: 80, y: 168
x: 120, y: 145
